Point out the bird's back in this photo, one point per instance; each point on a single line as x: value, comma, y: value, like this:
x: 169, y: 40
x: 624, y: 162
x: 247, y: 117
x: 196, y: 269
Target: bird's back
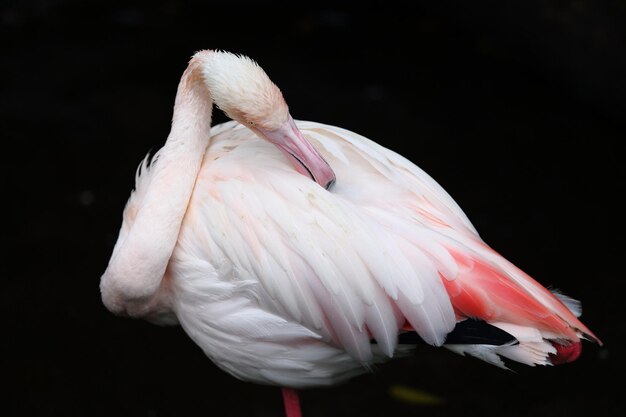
x: 268, y: 259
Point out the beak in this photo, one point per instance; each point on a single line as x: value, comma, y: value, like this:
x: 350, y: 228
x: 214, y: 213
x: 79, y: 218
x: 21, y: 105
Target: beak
x: 304, y: 157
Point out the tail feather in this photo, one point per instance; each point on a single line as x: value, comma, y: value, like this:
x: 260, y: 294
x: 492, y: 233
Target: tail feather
x: 495, y: 290
x: 573, y: 305
x: 487, y: 353
x: 528, y: 346
x: 543, y: 324
x: 504, y: 314
x: 493, y: 341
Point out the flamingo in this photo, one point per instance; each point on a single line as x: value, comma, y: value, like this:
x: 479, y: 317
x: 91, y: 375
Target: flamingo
x: 299, y: 254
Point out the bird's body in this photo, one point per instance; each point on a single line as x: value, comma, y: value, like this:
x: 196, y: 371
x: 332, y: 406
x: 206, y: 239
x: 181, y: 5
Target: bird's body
x: 293, y: 283
x: 282, y: 281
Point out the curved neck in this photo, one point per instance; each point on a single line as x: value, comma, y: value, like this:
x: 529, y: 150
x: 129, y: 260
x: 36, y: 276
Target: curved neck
x: 133, y: 276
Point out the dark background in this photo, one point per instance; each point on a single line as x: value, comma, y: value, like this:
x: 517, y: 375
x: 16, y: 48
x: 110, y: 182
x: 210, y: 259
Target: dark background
x: 516, y: 108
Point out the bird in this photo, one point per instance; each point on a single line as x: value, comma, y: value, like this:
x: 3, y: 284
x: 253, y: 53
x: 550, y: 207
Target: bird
x: 299, y: 254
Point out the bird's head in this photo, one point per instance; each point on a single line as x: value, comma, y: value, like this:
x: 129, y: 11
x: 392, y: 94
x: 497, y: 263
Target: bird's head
x: 242, y: 90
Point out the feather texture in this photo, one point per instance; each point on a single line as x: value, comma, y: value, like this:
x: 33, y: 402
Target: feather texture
x: 235, y: 236
x: 269, y: 252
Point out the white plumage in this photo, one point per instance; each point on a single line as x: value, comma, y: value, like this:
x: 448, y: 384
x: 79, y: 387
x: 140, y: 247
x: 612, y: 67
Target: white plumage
x: 281, y: 281
x: 295, y: 264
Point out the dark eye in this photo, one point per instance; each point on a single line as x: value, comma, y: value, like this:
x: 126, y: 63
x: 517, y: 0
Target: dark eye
x: 251, y: 123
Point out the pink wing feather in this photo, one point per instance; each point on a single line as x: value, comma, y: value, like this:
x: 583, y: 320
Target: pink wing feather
x: 484, y: 290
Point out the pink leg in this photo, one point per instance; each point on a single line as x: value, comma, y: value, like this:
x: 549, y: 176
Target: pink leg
x: 292, y: 402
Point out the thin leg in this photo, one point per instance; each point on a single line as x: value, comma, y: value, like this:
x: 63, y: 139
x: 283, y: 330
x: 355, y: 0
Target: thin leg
x: 292, y: 402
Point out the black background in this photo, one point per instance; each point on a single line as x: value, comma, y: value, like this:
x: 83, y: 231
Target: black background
x: 516, y: 108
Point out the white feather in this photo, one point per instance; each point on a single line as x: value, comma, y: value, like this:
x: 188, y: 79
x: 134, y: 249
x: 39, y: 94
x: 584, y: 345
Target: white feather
x: 331, y: 263
x: 572, y: 304
x: 487, y: 353
x: 279, y: 280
